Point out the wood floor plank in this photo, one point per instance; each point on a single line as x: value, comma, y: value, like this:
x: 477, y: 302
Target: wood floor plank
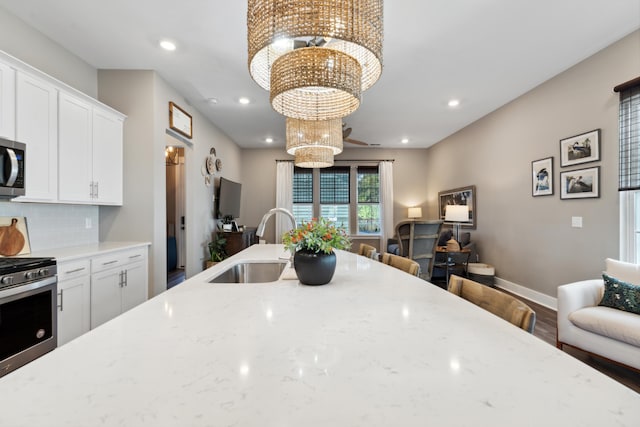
x: 546, y: 330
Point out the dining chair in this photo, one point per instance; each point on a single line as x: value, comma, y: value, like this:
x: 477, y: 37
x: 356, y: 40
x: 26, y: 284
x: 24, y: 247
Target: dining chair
x: 367, y: 250
x: 405, y: 264
x: 499, y: 303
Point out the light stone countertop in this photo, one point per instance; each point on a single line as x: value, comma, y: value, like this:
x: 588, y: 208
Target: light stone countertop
x: 375, y: 347
x: 71, y: 253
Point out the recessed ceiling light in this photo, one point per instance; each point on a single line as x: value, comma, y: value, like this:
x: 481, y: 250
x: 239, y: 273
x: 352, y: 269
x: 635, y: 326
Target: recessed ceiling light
x: 405, y: 140
x: 268, y: 140
x: 244, y: 100
x: 454, y: 103
x: 212, y: 100
x: 168, y: 45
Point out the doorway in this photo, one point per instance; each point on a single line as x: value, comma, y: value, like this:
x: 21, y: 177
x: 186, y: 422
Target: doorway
x: 175, y: 214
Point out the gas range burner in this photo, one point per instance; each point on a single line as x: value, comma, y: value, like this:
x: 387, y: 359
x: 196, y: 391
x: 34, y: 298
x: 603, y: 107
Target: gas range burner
x: 17, y: 271
x: 11, y: 265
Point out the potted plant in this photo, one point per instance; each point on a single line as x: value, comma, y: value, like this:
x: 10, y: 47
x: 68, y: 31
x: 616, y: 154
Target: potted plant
x: 217, y: 250
x: 312, y: 244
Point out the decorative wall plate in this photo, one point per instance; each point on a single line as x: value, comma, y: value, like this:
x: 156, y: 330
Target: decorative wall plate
x: 211, y: 164
x: 218, y: 165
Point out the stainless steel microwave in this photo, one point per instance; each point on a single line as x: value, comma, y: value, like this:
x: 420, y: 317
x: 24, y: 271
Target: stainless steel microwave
x: 12, y: 161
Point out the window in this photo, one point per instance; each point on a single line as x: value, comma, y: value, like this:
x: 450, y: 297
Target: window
x: 368, y: 200
x: 303, y: 194
x: 334, y: 195
x: 348, y: 195
x: 629, y: 170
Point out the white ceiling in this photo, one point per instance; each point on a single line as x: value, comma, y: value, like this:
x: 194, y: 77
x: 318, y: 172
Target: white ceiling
x: 484, y: 53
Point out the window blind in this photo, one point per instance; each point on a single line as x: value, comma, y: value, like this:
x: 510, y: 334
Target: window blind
x: 334, y: 185
x: 629, y: 131
x: 302, y: 185
x: 368, y: 184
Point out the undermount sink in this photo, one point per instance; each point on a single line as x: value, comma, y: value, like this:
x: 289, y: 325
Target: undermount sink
x: 251, y: 272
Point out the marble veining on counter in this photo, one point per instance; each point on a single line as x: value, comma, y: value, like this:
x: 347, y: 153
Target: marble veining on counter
x: 375, y: 347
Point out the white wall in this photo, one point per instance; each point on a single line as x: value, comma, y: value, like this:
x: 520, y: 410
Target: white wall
x: 528, y: 239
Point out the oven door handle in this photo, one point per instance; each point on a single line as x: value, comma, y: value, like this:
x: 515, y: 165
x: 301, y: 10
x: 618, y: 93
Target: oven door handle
x: 25, y: 287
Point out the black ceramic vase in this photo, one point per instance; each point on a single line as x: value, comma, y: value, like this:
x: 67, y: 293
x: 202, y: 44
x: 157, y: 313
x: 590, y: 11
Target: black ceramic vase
x: 314, y: 268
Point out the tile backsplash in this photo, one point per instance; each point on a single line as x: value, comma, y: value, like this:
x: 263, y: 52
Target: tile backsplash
x: 54, y: 225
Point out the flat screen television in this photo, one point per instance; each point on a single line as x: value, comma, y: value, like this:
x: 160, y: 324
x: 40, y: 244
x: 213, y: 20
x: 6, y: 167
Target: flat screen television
x: 229, y: 198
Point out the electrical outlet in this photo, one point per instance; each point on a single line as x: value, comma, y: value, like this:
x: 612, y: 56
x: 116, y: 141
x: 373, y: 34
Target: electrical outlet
x: 87, y: 223
x: 576, y: 221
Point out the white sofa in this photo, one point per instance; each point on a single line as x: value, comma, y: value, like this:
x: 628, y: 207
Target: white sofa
x: 607, y: 332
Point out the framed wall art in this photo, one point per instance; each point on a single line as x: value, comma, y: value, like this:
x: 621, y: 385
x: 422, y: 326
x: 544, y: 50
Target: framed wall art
x: 580, y: 183
x: 542, y: 177
x: 180, y: 120
x: 459, y: 196
x: 583, y: 148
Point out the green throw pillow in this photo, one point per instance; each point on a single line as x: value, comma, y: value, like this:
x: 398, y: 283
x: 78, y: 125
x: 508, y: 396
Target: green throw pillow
x: 621, y: 295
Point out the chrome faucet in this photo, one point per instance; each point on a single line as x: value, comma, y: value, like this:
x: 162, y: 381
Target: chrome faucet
x: 263, y: 222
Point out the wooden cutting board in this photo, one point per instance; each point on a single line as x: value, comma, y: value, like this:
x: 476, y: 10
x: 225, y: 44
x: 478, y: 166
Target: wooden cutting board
x: 11, y: 239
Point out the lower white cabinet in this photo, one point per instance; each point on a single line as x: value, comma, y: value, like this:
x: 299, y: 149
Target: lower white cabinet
x: 74, y: 301
x: 95, y: 289
x: 118, y: 283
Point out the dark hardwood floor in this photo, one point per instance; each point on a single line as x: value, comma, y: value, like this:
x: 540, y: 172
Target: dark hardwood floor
x: 175, y: 277
x: 545, y: 329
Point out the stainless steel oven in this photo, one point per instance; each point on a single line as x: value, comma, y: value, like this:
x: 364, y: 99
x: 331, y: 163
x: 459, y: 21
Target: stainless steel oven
x: 28, y: 312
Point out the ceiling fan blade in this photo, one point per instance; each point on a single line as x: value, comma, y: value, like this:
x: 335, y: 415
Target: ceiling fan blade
x: 346, y: 132
x: 355, y: 141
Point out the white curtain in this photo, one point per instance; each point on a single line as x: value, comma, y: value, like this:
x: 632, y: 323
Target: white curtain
x: 385, y: 170
x: 284, y: 197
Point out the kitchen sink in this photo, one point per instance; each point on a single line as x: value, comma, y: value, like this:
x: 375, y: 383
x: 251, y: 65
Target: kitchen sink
x: 251, y: 272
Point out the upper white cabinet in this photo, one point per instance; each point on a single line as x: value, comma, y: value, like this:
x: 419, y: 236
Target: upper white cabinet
x: 75, y: 149
x: 7, y: 102
x: 90, y: 153
x: 107, y: 157
x: 37, y: 127
x: 74, y: 143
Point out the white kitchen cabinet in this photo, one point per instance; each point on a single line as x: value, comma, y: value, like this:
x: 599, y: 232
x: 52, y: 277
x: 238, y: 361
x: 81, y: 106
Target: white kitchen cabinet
x: 90, y: 155
x: 119, y: 282
x: 37, y: 127
x: 74, y: 300
x: 107, y: 157
x: 75, y: 149
x: 7, y: 102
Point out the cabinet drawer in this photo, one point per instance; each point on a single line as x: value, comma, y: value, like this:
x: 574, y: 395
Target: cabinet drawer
x: 117, y: 259
x: 73, y: 269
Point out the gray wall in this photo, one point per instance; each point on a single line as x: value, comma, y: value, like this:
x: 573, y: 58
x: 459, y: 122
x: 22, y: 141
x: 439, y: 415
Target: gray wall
x: 31, y: 46
x: 144, y: 97
x: 530, y: 240
x: 259, y: 180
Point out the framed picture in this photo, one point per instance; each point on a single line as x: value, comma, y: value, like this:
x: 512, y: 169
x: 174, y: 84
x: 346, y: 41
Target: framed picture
x: 14, y: 237
x: 459, y: 196
x: 580, y: 183
x: 583, y: 148
x: 542, y: 177
x: 180, y: 120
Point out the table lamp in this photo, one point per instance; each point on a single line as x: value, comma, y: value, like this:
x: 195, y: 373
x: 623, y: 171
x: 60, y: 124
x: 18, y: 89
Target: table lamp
x: 415, y: 212
x: 457, y: 214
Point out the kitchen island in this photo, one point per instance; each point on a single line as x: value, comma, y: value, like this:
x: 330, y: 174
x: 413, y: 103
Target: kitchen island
x: 375, y: 347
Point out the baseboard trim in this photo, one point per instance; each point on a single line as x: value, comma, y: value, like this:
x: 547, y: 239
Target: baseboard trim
x: 530, y: 294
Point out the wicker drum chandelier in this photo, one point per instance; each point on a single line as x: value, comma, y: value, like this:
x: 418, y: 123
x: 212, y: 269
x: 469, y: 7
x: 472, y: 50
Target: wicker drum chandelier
x: 316, y: 57
x: 314, y: 133
x: 314, y: 83
x: 276, y: 27
x: 314, y: 157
